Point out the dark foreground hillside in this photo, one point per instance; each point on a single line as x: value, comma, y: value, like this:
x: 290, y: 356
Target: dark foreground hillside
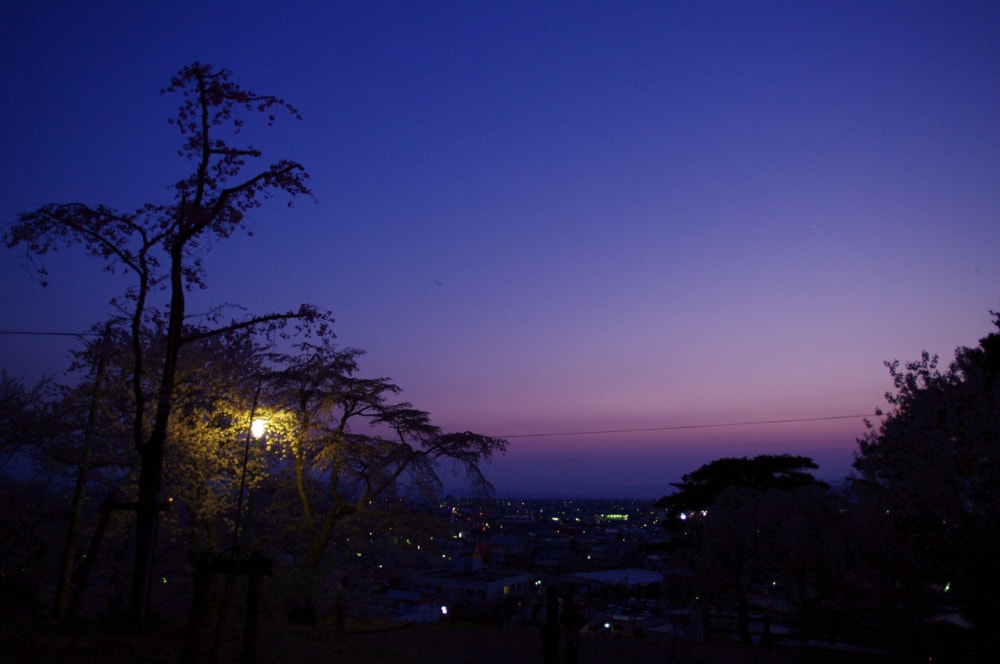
x: 458, y: 644
x: 375, y: 644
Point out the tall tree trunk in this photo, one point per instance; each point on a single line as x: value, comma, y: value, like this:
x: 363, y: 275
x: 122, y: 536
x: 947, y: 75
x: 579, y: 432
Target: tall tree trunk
x: 150, y: 477
x: 151, y: 453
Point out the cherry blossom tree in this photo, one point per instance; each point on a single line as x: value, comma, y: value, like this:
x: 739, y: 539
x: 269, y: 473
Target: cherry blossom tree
x: 160, y: 247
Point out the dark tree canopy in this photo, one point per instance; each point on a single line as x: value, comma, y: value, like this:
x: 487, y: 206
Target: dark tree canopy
x: 931, y: 470
x: 699, y: 490
x: 747, y: 531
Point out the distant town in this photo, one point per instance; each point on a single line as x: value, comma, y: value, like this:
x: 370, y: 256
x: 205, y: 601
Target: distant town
x: 503, y: 553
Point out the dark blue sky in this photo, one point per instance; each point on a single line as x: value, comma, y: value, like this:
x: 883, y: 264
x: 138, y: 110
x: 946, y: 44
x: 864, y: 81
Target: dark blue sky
x: 555, y: 217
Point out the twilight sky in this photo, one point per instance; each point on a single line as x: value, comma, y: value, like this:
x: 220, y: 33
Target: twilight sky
x: 544, y: 217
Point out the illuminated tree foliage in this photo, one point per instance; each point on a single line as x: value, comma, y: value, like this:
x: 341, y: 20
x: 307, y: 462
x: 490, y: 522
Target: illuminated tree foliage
x: 208, y: 433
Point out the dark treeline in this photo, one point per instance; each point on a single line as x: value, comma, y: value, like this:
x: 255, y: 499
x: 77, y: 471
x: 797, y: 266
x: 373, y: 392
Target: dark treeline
x: 903, y: 555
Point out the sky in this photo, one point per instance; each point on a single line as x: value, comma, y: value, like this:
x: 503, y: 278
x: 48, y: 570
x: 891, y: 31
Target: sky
x: 646, y: 219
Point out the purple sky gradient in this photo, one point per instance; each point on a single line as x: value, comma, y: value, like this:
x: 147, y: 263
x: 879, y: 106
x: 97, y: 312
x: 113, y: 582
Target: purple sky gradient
x: 557, y: 217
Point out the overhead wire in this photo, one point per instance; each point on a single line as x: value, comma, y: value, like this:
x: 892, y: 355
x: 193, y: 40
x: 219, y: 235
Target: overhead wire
x: 678, y: 427
x: 50, y: 334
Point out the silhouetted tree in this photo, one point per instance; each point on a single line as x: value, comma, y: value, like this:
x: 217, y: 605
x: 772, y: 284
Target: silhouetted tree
x: 737, y: 516
x: 699, y: 490
x: 160, y: 246
x: 930, y: 470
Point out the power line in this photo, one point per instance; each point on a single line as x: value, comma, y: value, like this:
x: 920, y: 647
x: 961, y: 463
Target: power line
x: 687, y: 426
x: 51, y: 334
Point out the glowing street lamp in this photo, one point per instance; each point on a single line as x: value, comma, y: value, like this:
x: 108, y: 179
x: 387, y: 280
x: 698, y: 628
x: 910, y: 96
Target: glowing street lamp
x: 257, y: 428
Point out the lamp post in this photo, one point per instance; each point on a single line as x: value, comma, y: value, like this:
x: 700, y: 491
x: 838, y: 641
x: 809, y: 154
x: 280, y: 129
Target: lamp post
x: 235, y: 563
x: 256, y: 432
